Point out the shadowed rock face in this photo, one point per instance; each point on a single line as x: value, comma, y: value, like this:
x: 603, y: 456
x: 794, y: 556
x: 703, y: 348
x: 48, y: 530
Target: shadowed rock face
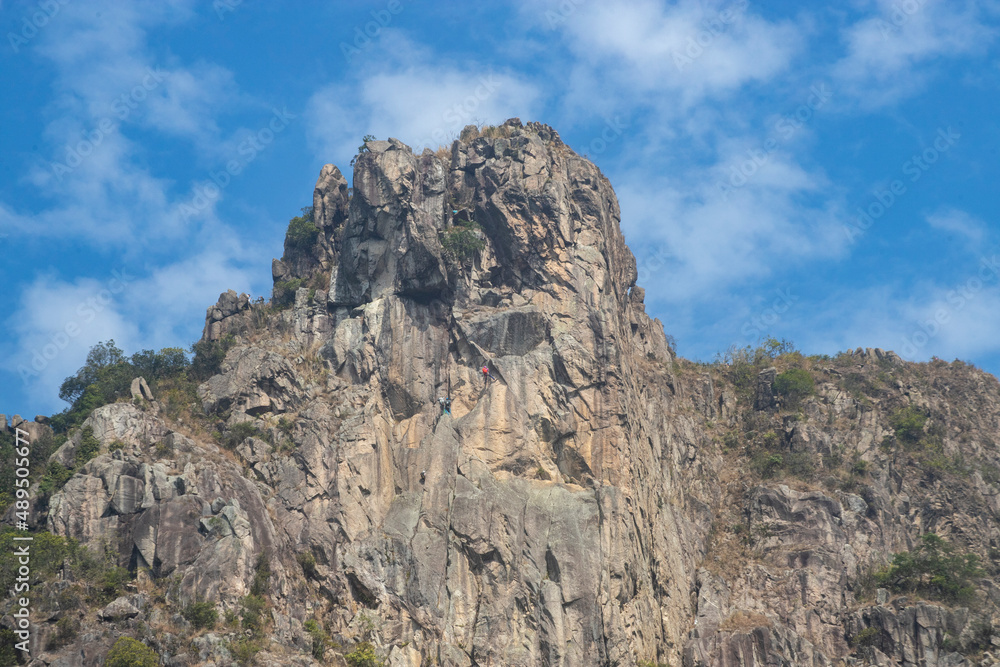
x: 572, y: 512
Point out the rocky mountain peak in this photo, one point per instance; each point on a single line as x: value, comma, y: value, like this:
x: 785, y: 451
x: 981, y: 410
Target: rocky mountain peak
x: 543, y: 215
x: 349, y: 474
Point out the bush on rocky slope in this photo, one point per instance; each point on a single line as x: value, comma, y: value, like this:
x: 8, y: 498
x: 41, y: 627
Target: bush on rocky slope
x: 128, y: 652
x: 107, y: 376
x: 935, y: 570
x: 301, y: 232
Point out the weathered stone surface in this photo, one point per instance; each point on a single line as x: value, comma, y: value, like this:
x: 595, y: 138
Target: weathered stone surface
x: 35, y: 430
x: 764, y: 399
x: 118, y: 610
x: 253, y: 381
x: 128, y: 494
x: 140, y: 390
x: 231, y: 315
x: 390, y: 244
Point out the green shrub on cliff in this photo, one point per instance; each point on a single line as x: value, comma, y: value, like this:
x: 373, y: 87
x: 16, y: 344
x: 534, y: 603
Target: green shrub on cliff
x: 107, y: 376
x: 935, y: 569
x: 363, y: 148
x: 363, y: 655
x: 238, y: 433
x: 48, y: 552
x: 128, y: 652
x: 284, y: 293
x: 908, y: 425
x: 462, y: 244
x: 742, y: 365
x: 208, y: 357
x: 302, y: 232
x: 794, y: 385
x: 201, y: 615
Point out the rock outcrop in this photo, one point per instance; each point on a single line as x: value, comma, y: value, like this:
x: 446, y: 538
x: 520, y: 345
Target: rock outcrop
x: 599, y: 503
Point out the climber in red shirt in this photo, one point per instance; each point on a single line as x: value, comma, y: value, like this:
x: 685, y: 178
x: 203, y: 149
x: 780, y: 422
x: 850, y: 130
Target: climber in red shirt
x: 487, y: 376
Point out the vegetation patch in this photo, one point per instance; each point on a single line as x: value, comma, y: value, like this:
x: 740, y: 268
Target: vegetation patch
x: 463, y: 242
x: 244, y: 650
x: 99, y: 578
x: 87, y: 449
x: 793, y: 385
x: 67, y: 630
x: 363, y: 655
x: 284, y: 293
x: 308, y: 563
x: 48, y: 554
x: 252, y: 616
x: 320, y: 639
x: 107, y: 376
x: 302, y: 231
x: 108, y: 582
x: 128, y: 652
x: 363, y: 148
x: 208, y: 357
x: 908, y: 425
x: 935, y: 570
x: 742, y: 365
x: 237, y: 433
x: 202, y: 615
x: 867, y: 637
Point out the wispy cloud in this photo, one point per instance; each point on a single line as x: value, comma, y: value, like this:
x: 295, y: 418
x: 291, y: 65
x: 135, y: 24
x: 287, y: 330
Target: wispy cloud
x: 402, y: 92
x: 101, y: 188
x: 711, y: 244
x: 955, y: 319
x: 959, y: 223
x: 888, y: 52
x: 55, y: 321
x: 685, y: 51
x: 109, y: 94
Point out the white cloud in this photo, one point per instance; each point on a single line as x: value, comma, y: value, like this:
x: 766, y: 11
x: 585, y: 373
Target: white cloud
x: 698, y: 236
x: 108, y: 94
x: 958, y: 223
x: 55, y: 325
x: 407, y: 95
x: 885, y: 51
x: 956, y: 320
x: 57, y: 321
x: 686, y: 51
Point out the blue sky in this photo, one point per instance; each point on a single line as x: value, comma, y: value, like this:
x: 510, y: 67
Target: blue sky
x: 819, y: 173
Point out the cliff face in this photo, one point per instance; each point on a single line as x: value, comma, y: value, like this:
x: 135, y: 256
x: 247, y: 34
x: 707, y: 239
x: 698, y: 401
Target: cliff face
x: 594, y: 503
